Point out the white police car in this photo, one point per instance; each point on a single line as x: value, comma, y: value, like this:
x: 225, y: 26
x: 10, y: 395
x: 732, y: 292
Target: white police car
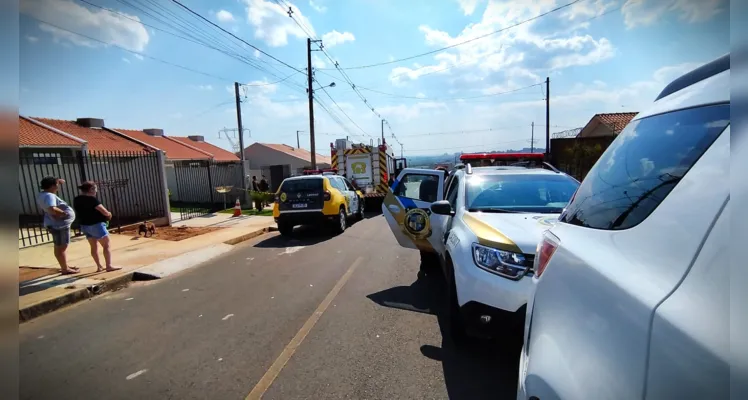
x: 633, y: 282
x: 484, y: 228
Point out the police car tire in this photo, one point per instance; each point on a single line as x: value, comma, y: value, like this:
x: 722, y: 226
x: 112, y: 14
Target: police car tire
x: 429, y: 261
x: 285, y: 229
x: 360, y: 214
x: 340, y: 223
x: 455, y: 322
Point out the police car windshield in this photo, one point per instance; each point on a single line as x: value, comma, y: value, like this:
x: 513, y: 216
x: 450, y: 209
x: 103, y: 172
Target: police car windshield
x: 547, y: 194
x: 302, y: 185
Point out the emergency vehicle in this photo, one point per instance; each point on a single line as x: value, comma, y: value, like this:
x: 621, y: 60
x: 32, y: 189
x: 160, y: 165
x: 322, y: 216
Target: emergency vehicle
x: 501, y: 159
x: 370, y: 168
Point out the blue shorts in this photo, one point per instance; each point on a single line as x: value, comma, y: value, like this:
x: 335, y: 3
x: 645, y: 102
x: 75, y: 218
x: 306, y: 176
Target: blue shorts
x: 60, y: 236
x: 96, y: 231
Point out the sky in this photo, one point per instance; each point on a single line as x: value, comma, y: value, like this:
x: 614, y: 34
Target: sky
x: 153, y: 64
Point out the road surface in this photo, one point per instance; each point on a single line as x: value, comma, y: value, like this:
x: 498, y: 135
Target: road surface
x: 317, y: 317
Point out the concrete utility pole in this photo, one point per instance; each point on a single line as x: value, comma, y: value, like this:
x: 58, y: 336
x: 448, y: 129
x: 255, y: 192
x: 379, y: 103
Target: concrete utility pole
x: 311, y: 101
x: 241, y: 134
x: 548, y: 118
x: 532, y: 137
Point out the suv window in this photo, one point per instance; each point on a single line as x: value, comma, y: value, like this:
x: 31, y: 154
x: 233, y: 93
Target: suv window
x: 335, y: 182
x: 302, y: 185
x: 422, y: 187
x: 451, y: 195
x: 349, y: 185
x: 643, y: 165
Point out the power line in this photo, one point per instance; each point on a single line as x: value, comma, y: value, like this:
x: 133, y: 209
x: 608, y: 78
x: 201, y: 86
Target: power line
x: 236, y: 37
x: 497, y: 51
x: 133, y: 52
x: 193, y: 39
x: 454, y: 148
x: 469, y: 40
x: 453, y: 98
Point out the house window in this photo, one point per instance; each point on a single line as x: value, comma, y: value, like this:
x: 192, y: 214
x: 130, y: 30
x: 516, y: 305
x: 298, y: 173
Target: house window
x: 47, y: 158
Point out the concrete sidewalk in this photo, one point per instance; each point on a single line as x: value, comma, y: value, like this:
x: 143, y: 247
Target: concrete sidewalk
x: 155, y: 258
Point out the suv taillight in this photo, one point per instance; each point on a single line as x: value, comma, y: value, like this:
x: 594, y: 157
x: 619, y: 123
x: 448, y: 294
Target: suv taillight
x: 546, y: 248
x: 327, y: 195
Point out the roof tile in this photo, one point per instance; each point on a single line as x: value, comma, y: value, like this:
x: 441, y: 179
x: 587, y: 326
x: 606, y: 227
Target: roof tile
x: 31, y: 134
x: 174, y: 149
x: 303, y: 154
x: 99, y: 140
x: 218, y: 153
x: 616, y: 121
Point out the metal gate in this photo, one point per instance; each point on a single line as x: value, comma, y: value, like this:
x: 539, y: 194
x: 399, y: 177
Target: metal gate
x: 205, y: 187
x: 130, y: 186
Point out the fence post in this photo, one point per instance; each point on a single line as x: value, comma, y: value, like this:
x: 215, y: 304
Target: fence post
x: 210, y: 183
x: 161, y: 160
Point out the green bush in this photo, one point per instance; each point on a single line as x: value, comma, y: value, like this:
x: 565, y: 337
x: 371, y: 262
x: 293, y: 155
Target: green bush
x: 258, y: 198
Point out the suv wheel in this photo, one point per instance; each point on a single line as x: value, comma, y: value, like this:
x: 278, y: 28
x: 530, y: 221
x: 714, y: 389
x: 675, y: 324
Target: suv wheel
x: 360, y: 215
x: 455, y: 321
x: 429, y: 262
x: 341, y: 223
x: 285, y: 229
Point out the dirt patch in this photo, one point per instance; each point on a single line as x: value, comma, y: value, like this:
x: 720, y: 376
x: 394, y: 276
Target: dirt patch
x: 173, y: 233
x: 28, y: 273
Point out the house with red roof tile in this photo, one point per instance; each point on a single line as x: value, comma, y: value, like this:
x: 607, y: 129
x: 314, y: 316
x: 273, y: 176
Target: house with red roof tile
x: 609, y: 124
x: 279, y: 161
x: 130, y: 173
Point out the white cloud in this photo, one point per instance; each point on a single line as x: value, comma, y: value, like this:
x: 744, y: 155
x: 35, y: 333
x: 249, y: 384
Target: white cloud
x: 126, y: 60
x: 138, y: 56
x: 335, y: 38
x: 519, y: 51
x: 32, y: 39
x: 205, y: 87
x: 468, y: 6
x: 318, y: 62
x: 587, y: 9
x: 257, y: 53
x: 404, y: 113
x: 646, y: 12
x: 317, y: 7
x: 123, y: 31
x: 225, y: 16
x: 272, y: 24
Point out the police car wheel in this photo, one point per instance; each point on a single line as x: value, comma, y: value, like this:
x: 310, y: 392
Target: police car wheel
x: 285, y: 229
x: 341, y: 223
x: 360, y: 209
x: 429, y: 262
x: 455, y: 321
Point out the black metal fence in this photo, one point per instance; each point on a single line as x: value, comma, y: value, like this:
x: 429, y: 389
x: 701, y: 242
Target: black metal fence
x: 204, y: 187
x: 130, y: 186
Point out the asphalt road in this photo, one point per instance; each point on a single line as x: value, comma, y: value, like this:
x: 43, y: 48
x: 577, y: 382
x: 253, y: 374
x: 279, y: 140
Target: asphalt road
x: 316, y: 317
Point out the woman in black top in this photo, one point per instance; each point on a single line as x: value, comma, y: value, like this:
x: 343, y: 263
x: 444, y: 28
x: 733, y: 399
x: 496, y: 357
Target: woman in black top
x: 93, y: 217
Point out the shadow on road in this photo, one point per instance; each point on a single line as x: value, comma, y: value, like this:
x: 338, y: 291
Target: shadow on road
x: 302, y: 236
x: 482, y: 369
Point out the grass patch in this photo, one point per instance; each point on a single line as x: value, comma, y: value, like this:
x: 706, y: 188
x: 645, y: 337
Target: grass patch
x: 264, y: 213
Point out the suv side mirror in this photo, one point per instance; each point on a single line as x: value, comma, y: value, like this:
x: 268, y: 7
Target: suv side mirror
x: 442, y: 207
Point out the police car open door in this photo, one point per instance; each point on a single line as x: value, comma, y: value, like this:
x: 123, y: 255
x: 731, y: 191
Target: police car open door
x: 407, y: 209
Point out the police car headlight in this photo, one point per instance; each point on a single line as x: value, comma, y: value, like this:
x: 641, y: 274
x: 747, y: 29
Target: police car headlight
x: 504, y: 263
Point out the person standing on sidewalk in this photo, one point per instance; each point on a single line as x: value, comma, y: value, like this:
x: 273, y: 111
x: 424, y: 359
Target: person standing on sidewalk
x: 93, y: 217
x: 255, y: 188
x: 263, y: 186
x: 58, y: 216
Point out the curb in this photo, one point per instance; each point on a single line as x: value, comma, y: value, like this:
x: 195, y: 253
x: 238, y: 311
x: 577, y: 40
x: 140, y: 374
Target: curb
x: 77, y: 295
x: 72, y: 297
x: 250, y: 235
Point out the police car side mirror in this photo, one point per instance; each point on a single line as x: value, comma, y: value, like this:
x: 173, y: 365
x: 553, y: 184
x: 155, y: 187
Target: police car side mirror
x: 442, y: 207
